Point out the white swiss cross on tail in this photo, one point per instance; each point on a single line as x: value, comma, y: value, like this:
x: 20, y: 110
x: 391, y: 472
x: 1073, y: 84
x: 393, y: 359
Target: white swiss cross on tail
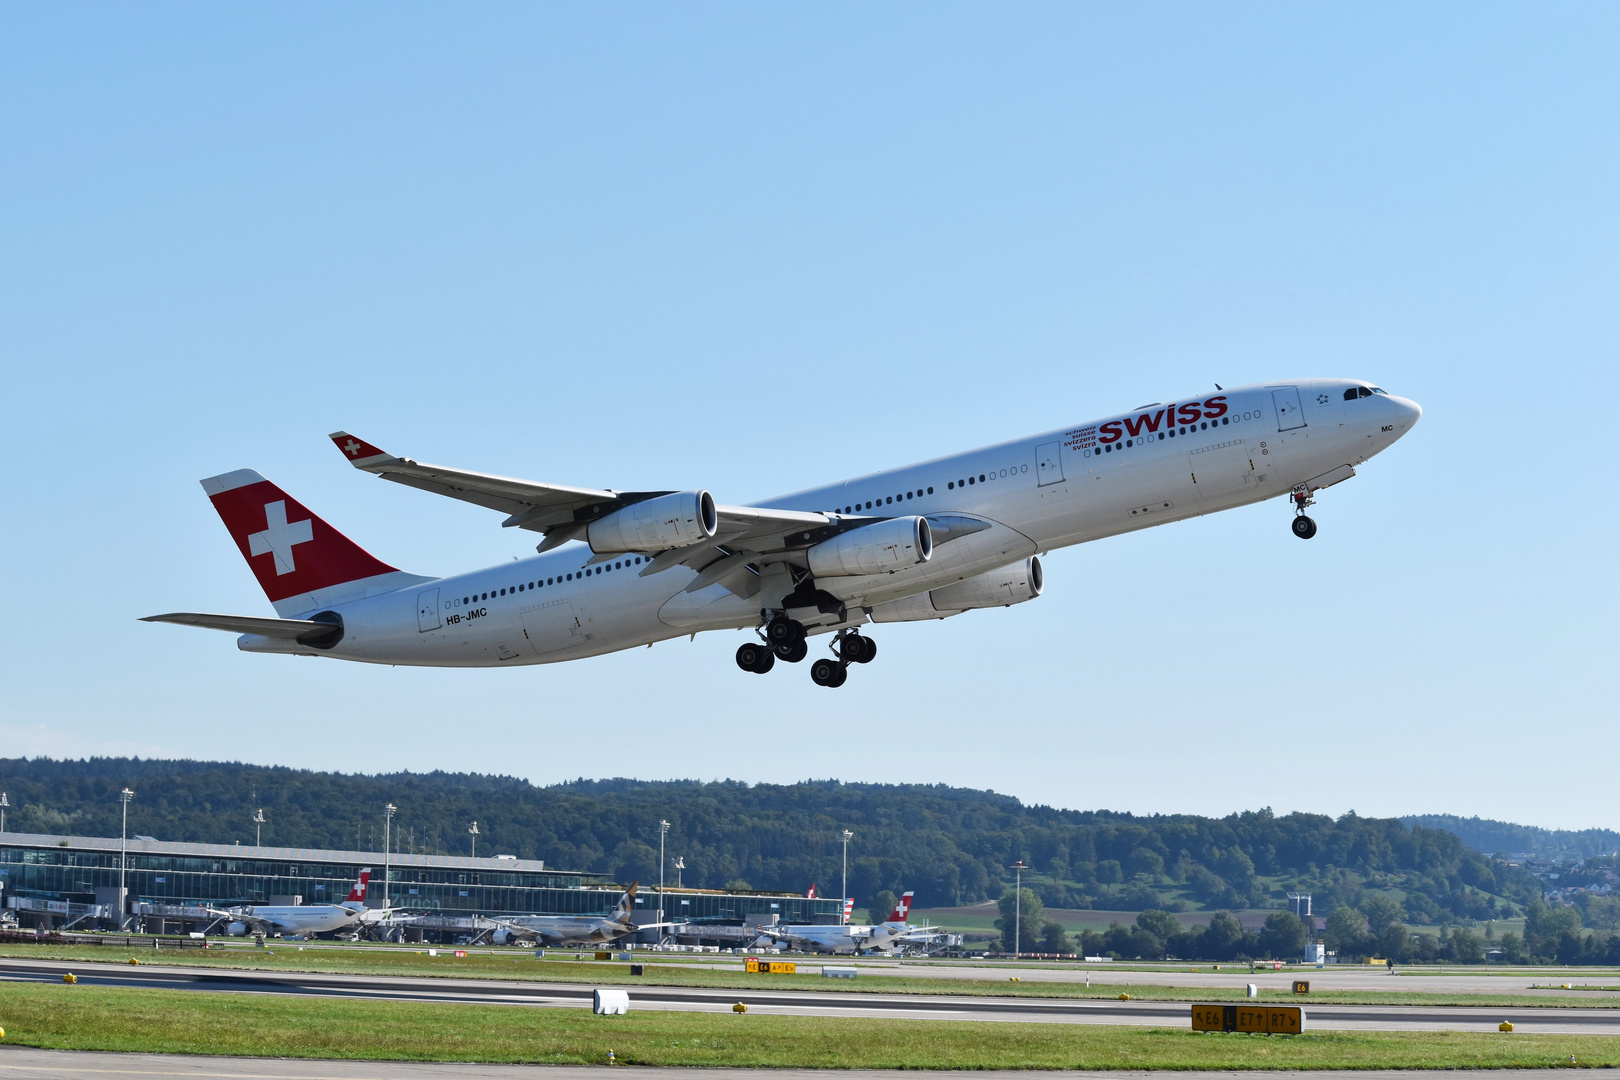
x: 280, y: 535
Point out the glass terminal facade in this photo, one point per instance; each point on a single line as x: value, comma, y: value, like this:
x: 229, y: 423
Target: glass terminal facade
x: 71, y: 869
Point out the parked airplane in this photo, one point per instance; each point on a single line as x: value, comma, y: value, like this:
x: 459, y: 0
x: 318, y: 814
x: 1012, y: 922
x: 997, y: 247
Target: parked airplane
x: 577, y: 929
x: 846, y: 938
x: 295, y: 920
x: 926, y: 541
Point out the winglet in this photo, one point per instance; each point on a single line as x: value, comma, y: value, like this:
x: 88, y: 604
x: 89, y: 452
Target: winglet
x: 359, y: 452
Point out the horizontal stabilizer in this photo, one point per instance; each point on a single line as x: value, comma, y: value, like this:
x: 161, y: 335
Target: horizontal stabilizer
x: 304, y: 631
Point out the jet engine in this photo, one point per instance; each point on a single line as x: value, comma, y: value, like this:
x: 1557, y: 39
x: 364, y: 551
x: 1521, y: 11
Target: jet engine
x: 1023, y: 580
x: 882, y: 548
x: 236, y: 929
x: 668, y: 521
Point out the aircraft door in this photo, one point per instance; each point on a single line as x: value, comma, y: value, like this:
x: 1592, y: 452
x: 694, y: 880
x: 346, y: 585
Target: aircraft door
x: 1049, y: 463
x: 1219, y: 472
x: 427, y: 611
x: 552, y: 627
x: 1289, y: 414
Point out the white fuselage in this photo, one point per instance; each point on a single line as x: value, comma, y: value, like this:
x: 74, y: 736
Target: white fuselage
x: 301, y: 918
x: 840, y: 938
x: 1029, y: 496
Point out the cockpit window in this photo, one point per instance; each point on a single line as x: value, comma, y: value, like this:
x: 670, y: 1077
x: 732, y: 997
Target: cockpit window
x: 1380, y: 390
x: 1350, y: 394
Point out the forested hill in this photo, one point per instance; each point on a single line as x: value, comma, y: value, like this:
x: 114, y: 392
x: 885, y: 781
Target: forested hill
x: 952, y: 845
x: 1492, y: 837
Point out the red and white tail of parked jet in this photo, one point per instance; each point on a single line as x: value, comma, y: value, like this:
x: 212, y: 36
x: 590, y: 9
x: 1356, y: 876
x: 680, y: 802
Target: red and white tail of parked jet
x: 621, y: 569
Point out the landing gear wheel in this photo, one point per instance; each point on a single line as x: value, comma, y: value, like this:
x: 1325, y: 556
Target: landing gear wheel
x: 859, y: 649
x: 793, y: 651
x: 752, y: 656
x: 828, y: 672
x: 783, y: 631
x: 1304, y: 527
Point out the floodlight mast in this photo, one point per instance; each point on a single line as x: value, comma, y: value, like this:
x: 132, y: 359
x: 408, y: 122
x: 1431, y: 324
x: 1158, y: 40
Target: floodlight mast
x: 663, y: 831
x: 123, y: 857
x: 3, y: 807
x: 472, y: 831
x: 1018, y: 869
x: 388, y: 820
x: 258, y: 824
x: 843, y: 916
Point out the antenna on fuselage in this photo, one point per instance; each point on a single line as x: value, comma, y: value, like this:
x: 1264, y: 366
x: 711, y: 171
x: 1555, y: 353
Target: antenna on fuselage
x: 1218, y: 386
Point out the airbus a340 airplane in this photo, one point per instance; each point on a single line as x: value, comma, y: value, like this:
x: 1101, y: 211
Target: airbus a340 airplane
x: 922, y: 542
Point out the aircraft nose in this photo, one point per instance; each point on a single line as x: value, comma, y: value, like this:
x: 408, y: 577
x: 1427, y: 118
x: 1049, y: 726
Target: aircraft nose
x: 1410, y: 411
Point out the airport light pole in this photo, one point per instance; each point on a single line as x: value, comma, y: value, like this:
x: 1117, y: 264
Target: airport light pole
x: 123, y: 855
x: 258, y: 824
x: 1018, y: 869
x: 3, y: 806
x: 663, y: 831
x: 843, y: 916
x: 388, y: 820
x: 680, y: 864
x: 472, y: 830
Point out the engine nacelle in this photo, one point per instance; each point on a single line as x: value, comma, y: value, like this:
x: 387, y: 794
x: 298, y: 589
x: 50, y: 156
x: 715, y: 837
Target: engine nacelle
x: 882, y: 548
x: 1009, y: 585
x: 652, y: 525
x: 236, y: 929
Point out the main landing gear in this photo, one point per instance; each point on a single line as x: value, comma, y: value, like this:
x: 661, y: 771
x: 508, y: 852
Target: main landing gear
x: 1303, y: 526
x: 785, y: 640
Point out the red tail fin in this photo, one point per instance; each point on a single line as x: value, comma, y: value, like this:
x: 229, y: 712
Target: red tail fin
x: 357, y: 894
x: 292, y: 552
x: 810, y: 893
x: 901, y: 910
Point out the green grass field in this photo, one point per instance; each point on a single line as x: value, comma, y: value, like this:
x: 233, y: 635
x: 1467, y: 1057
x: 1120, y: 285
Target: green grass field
x: 524, y: 967
x: 185, y: 1022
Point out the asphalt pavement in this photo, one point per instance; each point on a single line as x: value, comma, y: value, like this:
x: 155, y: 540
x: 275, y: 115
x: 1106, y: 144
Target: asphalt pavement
x: 801, y: 1003
x: 24, y: 1063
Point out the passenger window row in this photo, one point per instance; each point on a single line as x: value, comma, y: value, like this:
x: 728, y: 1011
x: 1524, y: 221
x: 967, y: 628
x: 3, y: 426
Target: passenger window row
x: 887, y: 500
x: 578, y: 575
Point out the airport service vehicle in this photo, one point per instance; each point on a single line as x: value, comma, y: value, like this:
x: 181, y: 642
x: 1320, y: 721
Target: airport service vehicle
x: 301, y: 920
x: 846, y: 938
x: 621, y: 569
x: 576, y: 929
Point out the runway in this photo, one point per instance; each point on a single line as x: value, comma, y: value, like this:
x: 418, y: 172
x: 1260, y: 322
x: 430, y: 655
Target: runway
x: 1549, y: 1020
x: 24, y: 1063
x: 1496, y: 980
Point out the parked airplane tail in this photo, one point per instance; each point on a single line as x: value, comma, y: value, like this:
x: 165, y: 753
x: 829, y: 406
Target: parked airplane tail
x: 849, y: 907
x: 810, y: 893
x: 626, y: 904
x: 302, y: 563
x: 357, y: 894
x: 901, y: 909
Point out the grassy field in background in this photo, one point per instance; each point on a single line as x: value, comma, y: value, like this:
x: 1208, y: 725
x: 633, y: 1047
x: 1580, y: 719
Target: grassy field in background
x: 183, y: 1022
x: 526, y: 968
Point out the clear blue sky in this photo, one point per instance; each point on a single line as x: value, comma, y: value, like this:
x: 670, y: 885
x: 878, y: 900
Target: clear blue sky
x: 759, y: 247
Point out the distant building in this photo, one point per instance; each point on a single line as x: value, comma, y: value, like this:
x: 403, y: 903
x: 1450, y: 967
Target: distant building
x: 50, y: 881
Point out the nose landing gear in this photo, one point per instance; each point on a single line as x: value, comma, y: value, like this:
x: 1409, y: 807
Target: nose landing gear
x: 1303, y: 526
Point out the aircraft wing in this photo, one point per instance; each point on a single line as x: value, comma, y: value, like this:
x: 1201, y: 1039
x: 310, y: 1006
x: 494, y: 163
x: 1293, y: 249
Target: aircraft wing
x: 562, y: 513
x: 293, y: 629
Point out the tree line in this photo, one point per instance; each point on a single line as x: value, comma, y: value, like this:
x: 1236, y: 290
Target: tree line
x: 952, y: 846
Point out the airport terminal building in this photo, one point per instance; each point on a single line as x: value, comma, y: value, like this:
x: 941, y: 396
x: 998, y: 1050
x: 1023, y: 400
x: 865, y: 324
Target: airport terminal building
x: 56, y: 881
